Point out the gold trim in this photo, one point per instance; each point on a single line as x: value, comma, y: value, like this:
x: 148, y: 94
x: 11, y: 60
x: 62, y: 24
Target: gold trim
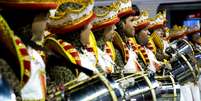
x: 75, y: 22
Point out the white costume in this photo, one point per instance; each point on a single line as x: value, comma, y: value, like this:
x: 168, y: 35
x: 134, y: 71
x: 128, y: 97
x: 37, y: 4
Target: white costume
x: 36, y: 86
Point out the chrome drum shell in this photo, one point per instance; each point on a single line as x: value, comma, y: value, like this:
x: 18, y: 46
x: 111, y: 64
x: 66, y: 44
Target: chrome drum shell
x: 184, y: 69
x: 138, y: 87
x: 168, y: 90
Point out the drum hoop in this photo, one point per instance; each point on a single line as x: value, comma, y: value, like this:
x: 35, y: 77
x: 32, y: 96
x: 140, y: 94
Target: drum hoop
x: 189, y: 65
x: 153, y: 93
x: 108, y: 85
x: 75, y: 85
x: 173, y: 84
x: 134, y: 74
x: 102, y: 78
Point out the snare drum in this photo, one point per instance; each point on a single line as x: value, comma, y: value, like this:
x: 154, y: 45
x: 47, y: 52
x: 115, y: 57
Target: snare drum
x: 138, y: 87
x: 168, y: 90
x: 182, y: 46
x: 184, y: 69
x: 95, y: 88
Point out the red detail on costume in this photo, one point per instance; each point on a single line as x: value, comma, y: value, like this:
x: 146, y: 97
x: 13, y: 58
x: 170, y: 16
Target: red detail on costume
x: 24, y: 52
x: 78, y: 62
x: 27, y: 65
x: 18, y: 41
x: 90, y: 49
x: 29, y: 5
x: 108, y: 50
x: 127, y: 58
x: 61, y: 41
x: 126, y: 12
x: 106, y: 24
x: 43, y: 83
x: 25, y: 79
x: 67, y: 47
x: 74, y: 54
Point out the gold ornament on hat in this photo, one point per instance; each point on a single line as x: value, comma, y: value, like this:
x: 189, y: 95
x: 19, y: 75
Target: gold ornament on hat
x: 141, y: 21
x: 71, y: 15
x: 106, y: 15
x: 157, y: 21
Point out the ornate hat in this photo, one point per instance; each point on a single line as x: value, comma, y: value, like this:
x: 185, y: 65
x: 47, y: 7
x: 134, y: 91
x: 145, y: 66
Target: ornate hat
x: 177, y: 32
x: 141, y: 21
x: 71, y: 15
x: 28, y: 4
x: 157, y: 21
x: 125, y: 8
x: 19, y: 53
x: 106, y: 14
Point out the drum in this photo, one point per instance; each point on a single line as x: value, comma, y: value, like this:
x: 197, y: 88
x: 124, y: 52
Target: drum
x: 182, y: 46
x: 184, y: 68
x: 168, y: 89
x: 95, y: 88
x: 138, y: 87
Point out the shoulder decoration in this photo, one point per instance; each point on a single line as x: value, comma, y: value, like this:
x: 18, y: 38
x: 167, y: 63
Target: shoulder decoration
x: 18, y: 51
x: 121, y: 45
x: 64, y: 48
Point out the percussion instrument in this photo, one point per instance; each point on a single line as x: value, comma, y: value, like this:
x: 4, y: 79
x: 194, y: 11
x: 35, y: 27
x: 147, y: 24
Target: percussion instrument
x: 184, y: 68
x: 138, y: 87
x: 95, y: 88
x: 168, y: 89
x: 182, y: 46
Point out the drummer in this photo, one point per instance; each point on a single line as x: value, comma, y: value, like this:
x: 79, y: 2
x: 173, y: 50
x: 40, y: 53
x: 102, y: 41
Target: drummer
x: 126, y: 29
x: 145, y: 43
x: 159, y: 34
x: 108, y: 40
x: 29, y: 63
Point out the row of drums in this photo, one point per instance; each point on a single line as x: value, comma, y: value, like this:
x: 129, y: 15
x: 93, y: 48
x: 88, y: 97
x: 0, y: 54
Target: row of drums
x: 138, y: 86
x: 134, y: 87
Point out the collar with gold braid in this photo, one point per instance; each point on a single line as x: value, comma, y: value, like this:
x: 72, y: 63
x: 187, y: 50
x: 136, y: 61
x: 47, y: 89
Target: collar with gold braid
x: 92, y: 46
x: 150, y: 45
x: 139, y: 50
x: 109, y: 49
x: 64, y: 48
x: 120, y: 44
x: 18, y: 49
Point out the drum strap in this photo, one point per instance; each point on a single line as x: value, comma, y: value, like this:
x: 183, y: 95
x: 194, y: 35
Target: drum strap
x: 133, y: 44
x: 109, y: 49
